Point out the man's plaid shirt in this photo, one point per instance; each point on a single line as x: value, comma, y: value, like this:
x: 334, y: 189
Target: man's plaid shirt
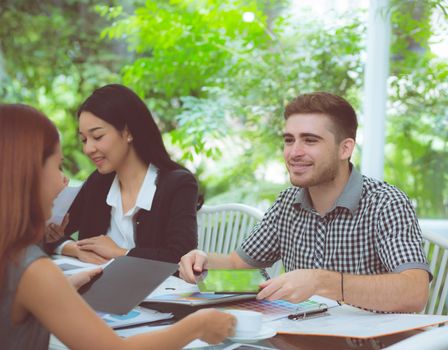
x: 371, y: 229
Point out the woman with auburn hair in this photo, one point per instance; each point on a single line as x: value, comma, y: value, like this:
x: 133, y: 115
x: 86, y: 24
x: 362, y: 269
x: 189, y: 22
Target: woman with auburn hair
x: 35, y: 296
x: 138, y: 202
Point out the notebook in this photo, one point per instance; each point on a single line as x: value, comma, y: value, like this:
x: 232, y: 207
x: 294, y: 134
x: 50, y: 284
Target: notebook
x: 124, y: 283
x: 198, y: 298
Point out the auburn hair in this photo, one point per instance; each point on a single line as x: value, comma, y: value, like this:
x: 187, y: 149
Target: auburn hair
x: 27, y: 139
x: 340, y: 112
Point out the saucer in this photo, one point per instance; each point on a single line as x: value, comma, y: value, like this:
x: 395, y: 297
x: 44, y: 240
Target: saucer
x: 265, y: 333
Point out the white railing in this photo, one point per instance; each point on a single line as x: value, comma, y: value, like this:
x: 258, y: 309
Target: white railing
x: 435, y: 238
x: 438, y: 226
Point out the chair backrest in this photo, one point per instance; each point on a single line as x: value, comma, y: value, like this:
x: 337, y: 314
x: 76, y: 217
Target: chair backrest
x: 436, y: 249
x: 223, y: 227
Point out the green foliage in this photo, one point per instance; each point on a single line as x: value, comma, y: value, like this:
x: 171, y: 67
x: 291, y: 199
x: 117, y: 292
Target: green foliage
x: 417, y: 137
x: 220, y: 84
x: 180, y: 47
x: 52, y: 57
x: 217, y: 81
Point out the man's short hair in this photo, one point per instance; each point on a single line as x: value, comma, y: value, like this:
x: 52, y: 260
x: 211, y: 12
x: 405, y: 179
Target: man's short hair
x: 341, y: 113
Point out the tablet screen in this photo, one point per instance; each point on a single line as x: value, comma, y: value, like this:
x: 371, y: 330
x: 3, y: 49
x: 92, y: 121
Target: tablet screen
x: 232, y: 281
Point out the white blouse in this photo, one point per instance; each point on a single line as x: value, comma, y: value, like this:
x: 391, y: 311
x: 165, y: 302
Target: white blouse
x: 121, y: 228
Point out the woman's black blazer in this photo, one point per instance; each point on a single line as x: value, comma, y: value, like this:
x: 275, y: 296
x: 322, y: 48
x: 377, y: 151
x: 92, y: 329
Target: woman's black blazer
x: 166, y: 232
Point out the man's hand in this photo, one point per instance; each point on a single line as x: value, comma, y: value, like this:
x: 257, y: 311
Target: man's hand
x: 192, y: 263
x: 54, y: 232
x: 294, y: 286
x: 102, y: 245
x: 81, y: 278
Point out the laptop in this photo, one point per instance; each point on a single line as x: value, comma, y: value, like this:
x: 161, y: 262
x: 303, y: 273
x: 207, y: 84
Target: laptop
x: 124, y: 283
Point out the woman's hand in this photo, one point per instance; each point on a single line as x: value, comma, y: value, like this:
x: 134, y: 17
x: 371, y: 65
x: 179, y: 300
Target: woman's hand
x: 72, y: 249
x: 54, y: 232
x: 214, y: 325
x: 81, y: 278
x: 90, y: 257
x: 102, y: 245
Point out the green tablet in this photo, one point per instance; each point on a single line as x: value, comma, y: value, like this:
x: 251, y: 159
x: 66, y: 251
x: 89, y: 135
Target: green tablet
x: 232, y: 280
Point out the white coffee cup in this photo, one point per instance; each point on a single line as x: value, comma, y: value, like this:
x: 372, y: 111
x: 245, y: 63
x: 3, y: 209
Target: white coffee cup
x: 248, y: 323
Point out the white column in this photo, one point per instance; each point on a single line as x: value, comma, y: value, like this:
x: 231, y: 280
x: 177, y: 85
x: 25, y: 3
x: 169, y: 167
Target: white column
x: 376, y: 73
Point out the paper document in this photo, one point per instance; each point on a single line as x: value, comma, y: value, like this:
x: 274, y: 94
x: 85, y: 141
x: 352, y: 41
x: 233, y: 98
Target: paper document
x: 348, y: 321
x: 173, y: 285
x: 62, y: 204
x: 71, y: 266
x: 239, y: 346
x: 138, y: 315
x: 124, y: 333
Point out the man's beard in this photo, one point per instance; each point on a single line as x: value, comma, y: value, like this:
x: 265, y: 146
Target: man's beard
x: 323, y: 176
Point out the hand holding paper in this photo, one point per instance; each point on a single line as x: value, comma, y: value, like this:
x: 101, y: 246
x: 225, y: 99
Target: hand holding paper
x: 54, y: 232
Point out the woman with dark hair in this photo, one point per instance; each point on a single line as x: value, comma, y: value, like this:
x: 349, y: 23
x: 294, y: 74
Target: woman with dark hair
x: 138, y: 202
x: 35, y: 296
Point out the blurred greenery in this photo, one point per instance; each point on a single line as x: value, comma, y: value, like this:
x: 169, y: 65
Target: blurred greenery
x: 51, y: 57
x: 417, y: 134
x: 217, y: 75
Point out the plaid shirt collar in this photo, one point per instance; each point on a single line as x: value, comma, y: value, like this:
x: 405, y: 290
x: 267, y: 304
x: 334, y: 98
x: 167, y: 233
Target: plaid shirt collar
x: 349, y: 198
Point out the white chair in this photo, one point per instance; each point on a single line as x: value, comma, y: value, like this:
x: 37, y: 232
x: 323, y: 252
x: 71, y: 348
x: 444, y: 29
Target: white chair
x: 435, y: 245
x: 223, y: 227
x: 436, y: 250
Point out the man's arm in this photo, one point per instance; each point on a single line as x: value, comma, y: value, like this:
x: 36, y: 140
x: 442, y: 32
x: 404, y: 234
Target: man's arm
x: 406, y: 291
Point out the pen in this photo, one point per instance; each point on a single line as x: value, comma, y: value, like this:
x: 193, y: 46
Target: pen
x: 305, y: 314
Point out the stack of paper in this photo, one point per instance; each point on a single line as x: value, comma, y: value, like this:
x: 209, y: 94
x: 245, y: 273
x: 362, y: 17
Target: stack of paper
x: 351, y: 322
